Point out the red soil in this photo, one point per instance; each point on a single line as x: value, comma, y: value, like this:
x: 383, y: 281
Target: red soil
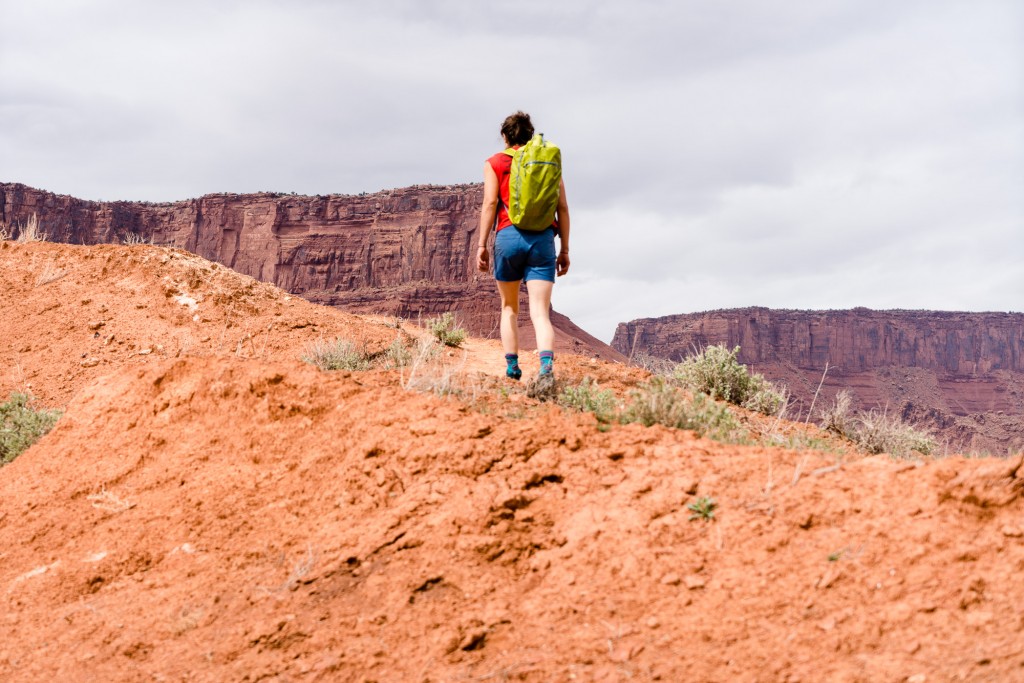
x: 217, y: 510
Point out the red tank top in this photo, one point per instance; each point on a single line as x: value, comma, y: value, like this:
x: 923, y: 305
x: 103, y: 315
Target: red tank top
x: 501, y: 163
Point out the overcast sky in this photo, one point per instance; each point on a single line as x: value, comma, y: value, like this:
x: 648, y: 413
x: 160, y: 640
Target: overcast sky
x: 717, y: 154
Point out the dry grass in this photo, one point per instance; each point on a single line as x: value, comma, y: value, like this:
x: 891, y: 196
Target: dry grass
x: 429, y: 374
x: 131, y: 239
x: 340, y: 354
x: 51, y: 273
x: 876, y: 431
x: 30, y: 232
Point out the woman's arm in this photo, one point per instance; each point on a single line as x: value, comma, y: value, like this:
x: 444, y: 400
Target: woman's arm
x: 562, y: 216
x: 488, y: 212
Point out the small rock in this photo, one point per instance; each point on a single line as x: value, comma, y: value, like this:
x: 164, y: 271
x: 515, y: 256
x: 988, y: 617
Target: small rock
x: 90, y: 362
x: 653, y: 622
x: 673, y: 580
x: 695, y: 582
x: 1012, y: 531
x: 979, y: 618
x: 917, y: 678
x: 145, y: 352
x: 97, y: 324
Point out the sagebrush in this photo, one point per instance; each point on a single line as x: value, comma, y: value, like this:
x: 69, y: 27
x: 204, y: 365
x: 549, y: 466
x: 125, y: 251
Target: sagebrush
x: 21, y: 425
x: 397, y: 355
x: 587, y: 396
x: 715, y: 371
x: 660, y: 402
x: 446, y: 330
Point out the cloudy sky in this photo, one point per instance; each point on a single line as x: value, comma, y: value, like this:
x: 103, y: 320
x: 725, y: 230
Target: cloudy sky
x: 717, y: 153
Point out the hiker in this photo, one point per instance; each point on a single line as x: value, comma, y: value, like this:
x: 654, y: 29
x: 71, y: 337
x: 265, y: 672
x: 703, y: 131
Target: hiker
x: 524, y: 254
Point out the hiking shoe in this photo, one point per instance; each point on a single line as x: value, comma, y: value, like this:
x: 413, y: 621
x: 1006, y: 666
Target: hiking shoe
x: 512, y: 370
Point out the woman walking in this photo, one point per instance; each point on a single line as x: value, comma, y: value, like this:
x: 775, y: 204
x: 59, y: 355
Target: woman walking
x: 521, y: 254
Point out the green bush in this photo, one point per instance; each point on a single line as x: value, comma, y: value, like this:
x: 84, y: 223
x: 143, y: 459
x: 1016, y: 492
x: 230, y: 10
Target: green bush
x: 715, y: 371
x: 588, y: 397
x: 445, y: 330
x: 659, y: 402
x: 21, y: 425
x: 341, y: 354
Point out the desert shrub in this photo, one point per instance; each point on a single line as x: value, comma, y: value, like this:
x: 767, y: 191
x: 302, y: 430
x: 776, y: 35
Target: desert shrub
x: 340, y: 354
x: 768, y: 399
x: 877, y: 432
x: 653, y: 364
x: 587, y: 396
x: 445, y: 329
x: 397, y: 355
x: 659, y: 402
x: 715, y: 371
x: 837, y: 418
x: 873, y: 431
x: 21, y: 425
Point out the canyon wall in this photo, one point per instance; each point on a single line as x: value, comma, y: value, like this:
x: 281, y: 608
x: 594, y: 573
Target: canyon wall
x: 408, y: 252
x: 961, y: 373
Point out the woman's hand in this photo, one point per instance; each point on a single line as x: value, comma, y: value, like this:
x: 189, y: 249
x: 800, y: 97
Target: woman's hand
x: 562, y: 263
x: 482, y: 259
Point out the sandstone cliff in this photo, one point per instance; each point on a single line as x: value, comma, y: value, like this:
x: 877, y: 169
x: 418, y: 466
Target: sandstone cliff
x: 961, y: 373
x: 408, y: 252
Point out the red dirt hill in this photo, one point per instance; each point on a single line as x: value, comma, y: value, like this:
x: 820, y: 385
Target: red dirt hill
x: 409, y: 252
x: 216, y: 510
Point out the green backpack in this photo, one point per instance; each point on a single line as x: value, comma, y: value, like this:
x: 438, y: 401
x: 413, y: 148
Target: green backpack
x: 534, y: 185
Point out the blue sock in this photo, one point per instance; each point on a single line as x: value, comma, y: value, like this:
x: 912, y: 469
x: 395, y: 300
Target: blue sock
x: 512, y: 366
x: 547, y: 360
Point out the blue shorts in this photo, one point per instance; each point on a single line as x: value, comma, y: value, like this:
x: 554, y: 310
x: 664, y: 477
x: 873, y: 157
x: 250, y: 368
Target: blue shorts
x: 524, y: 255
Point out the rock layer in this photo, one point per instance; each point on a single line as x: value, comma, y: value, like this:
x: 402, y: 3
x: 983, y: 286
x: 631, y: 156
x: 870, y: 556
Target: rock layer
x: 408, y: 252
x: 962, y: 373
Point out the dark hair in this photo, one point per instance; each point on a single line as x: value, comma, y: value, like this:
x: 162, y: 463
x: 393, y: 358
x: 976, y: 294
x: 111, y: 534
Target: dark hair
x: 517, y: 128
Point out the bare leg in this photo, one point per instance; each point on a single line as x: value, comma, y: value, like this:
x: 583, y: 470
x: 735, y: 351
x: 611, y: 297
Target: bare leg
x: 540, y: 313
x: 509, y: 315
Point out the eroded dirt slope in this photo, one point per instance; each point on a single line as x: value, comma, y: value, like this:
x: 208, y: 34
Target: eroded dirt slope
x: 205, y: 513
